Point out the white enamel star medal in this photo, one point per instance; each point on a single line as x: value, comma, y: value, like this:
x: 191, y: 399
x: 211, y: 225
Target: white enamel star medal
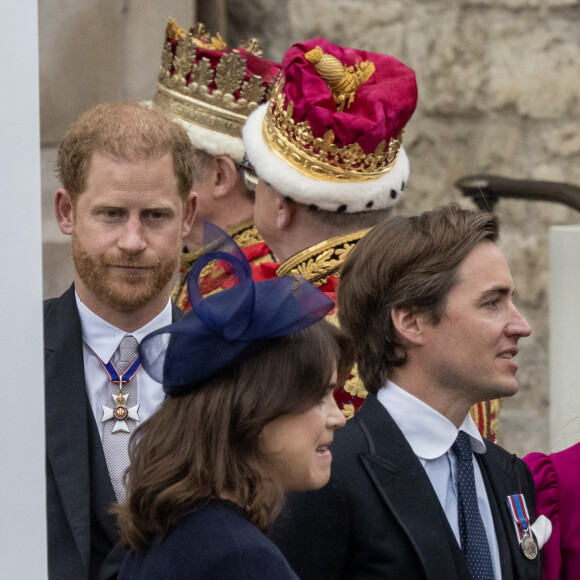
x: 121, y: 412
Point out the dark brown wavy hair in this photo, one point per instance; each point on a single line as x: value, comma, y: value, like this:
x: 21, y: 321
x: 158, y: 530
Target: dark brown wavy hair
x: 404, y: 262
x: 204, y: 445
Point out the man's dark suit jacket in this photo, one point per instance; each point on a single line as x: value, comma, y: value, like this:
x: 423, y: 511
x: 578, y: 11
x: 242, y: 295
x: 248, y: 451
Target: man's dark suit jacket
x: 379, y: 517
x: 82, y: 536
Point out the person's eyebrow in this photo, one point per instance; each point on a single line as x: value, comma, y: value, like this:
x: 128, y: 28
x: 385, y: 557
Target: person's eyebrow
x: 496, y: 291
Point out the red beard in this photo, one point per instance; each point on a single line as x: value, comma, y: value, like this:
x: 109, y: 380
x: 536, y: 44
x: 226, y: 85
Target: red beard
x: 126, y: 292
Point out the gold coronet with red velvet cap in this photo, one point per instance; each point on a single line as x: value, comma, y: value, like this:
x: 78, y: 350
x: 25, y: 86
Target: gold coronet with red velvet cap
x: 210, y: 89
x: 331, y: 134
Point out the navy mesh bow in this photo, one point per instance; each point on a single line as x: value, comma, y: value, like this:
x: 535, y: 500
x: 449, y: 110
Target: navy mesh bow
x: 222, y: 327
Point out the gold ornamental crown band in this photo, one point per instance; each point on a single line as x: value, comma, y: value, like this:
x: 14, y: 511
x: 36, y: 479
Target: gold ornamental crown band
x: 219, y: 98
x: 200, y: 112
x: 320, y: 158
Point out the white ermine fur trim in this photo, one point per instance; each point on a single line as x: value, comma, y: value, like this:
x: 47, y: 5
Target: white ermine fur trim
x: 213, y: 142
x: 326, y: 195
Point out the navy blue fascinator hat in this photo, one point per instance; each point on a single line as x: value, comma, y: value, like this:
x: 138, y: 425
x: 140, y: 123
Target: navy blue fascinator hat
x: 231, y: 324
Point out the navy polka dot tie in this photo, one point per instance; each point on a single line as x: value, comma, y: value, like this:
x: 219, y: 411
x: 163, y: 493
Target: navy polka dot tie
x: 471, y: 530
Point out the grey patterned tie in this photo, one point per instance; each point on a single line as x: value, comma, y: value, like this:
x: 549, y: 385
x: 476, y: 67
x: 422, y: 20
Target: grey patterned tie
x: 120, y: 414
x: 471, y: 529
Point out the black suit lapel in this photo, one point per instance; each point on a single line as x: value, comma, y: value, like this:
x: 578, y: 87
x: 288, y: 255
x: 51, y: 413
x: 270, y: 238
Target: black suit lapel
x: 407, y: 491
x: 502, y: 478
x: 66, y: 416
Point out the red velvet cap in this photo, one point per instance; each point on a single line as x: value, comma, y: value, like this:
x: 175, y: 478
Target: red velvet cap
x: 382, y: 105
x: 335, y: 118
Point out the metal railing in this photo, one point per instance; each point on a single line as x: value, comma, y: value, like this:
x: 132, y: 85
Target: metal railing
x: 487, y: 190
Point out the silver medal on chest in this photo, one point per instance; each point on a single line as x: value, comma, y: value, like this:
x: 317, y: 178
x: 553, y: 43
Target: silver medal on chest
x: 529, y: 547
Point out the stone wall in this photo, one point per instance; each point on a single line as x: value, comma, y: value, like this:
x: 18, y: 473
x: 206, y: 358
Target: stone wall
x: 97, y: 51
x: 499, y: 92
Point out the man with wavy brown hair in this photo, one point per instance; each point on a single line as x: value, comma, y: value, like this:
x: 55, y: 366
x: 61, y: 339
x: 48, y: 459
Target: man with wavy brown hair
x: 415, y: 491
x: 127, y: 202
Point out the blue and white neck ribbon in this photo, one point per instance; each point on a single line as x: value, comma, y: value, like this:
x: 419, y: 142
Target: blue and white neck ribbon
x: 129, y: 373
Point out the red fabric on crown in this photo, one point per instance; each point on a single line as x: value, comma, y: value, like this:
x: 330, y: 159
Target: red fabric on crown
x: 382, y: 105
x: 255, y: 66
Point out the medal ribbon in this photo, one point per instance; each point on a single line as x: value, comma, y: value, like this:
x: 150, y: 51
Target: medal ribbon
x: 519, y: 512
x: 111, y: 370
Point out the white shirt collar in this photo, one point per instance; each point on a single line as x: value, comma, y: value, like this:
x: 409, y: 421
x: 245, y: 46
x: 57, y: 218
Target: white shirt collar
x: 429, y: 433
x: 104, y: 338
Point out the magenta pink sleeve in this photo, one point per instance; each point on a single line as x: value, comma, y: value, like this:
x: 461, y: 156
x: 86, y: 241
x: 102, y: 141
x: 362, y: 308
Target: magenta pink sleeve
x: 547, y: 504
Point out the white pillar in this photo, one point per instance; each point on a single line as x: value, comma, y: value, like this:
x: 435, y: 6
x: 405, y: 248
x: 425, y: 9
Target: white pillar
x: 22, y: 481
x: 564, y: 336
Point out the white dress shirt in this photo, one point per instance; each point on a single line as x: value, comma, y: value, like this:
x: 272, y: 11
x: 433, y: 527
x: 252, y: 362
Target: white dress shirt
x: 101, y: 339
x: 431, y: 436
